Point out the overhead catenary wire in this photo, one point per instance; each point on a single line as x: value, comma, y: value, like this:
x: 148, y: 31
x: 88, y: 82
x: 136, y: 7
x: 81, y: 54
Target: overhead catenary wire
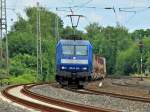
x: 134, y: 10
x: 73, y: 16
x: 85, y: 4
x: 76, y: 7
x: 116, y: 16
x: 115, y: 10
x: 125, y: 9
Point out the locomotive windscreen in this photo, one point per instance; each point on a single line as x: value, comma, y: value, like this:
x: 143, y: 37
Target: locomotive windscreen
x: 68, y: 50
x: 79, y: 50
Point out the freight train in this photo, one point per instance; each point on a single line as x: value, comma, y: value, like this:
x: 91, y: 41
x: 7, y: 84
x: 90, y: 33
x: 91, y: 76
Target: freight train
x: 74, y: 63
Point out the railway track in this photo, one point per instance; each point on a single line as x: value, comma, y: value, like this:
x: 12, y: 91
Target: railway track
x: 133, y: 98
x: 116, y: 95
x: 128, y: 77
x: 22, y: 95
x: 94, y: 92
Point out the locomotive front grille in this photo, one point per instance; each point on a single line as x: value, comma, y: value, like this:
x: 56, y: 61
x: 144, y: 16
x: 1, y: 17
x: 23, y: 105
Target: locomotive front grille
x: 73, y: 61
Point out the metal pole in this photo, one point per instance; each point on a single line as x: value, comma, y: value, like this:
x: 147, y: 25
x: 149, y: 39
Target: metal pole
x: 37, y: 25
x: 7, y: 52
x: 74, y: 31
x: 39, y: 44
x: 40, y: 39
x: 3, y: 31
x: 141, y: 45
x: 141, y: 67
x: 1, y: 47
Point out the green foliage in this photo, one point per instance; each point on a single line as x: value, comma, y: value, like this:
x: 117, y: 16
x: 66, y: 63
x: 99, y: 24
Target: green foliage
x: 128, y: 61
x: 116, y: 44
x: 47, y: 21
x: 23, y: 79
x: 109, y: 42
x: 2, y: 63
x: 22, y: 43
x: 68, y: 32
x: 146, y: 53
x: 120, y: 48
x: 93, y: 29
x: 148, y: 63
x: 20, y: 63
x: 140, y: 34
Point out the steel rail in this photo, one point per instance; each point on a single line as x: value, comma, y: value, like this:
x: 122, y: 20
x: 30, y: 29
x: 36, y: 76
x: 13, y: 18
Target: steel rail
x: 62, y: 103
x: 26, y: 103
x: 117, y: 95
x: 127, y: 77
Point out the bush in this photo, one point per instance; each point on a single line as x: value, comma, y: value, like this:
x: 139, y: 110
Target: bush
x: 148, y: 64
x: 128, y: 61
x: 23, y: 79
x: 21, y: 63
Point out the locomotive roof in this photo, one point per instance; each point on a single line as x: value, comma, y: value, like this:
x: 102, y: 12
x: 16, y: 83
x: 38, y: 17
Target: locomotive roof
x: 74, y: 42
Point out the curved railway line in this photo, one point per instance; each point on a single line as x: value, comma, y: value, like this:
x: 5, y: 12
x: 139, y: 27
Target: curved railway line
x: 116, y: 95
x: 26, y: 97
x: 22, y: 95
x: 133, y: 98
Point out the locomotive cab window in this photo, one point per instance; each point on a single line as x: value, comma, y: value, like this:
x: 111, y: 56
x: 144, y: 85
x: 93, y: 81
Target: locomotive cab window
x: 68, y: 50
x: 81, y: 50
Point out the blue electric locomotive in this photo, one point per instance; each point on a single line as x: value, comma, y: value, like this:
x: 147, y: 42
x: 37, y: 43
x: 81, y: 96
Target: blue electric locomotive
x: 73, y: 62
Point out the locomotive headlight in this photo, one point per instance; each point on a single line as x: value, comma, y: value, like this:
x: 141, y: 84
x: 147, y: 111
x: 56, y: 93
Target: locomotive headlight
x: 63, y: 67
x: 85, y: 68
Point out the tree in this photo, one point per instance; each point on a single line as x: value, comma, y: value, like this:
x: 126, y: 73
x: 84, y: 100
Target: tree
x: 109, y: 42
x: 70, y: 33
x: 128, y: 61
x: 93, y: 29
x: 22, y: 43
x: 140, y: 34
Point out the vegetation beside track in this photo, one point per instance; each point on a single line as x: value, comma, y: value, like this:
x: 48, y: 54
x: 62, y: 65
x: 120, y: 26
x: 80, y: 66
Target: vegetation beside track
x: 117, y: 44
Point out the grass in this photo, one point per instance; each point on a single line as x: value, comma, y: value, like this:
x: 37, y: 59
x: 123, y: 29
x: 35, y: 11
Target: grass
x: 23, y: 79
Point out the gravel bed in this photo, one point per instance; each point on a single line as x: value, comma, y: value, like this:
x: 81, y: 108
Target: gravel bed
x: 132, y: 87
x: 93, y: 100
x: 7, y: 107
x: 4, y: 86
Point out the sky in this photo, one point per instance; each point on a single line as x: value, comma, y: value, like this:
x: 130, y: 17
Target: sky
x: 135, y: 14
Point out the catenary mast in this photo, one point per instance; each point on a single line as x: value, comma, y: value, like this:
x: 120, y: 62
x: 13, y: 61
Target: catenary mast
x: 3, y: 34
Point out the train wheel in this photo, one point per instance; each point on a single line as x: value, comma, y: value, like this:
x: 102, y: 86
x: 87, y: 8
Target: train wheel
x: 80, y: 86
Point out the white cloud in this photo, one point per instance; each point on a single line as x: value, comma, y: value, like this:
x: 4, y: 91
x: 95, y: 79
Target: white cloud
x: 137, y: 3
x: 93, y: 17
x: 97, y: 2
x: 104, y: 17
x: 29, y: 2
x: 120, y: 17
